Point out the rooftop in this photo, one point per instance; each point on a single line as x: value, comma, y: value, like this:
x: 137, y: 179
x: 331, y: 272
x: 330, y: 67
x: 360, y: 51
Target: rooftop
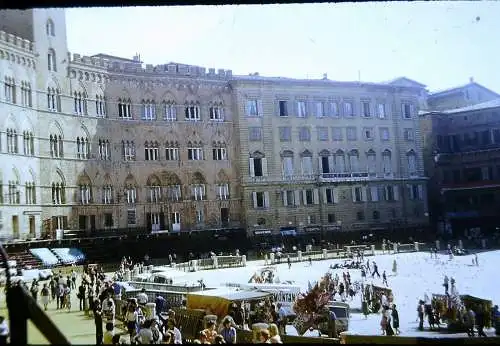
x: 112, y: 57
x: 480, y: 106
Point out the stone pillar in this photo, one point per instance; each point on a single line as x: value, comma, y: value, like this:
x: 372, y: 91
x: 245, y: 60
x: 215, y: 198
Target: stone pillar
x: 373, y: 250
x: 150, y: 310
x: 460, y: 244
x: 325, y: 254
x: 244, y: 261
x: 395, y: 247
x: 195, y: 265
x: 128, y: 275
x: 437, y: 245
x: 135, y: 272
x: 271, y: 258
x: 417, y: 248
x: 383, y: 248
x: 216, y: 262
x: 299, y: 255
x: 483, y: 243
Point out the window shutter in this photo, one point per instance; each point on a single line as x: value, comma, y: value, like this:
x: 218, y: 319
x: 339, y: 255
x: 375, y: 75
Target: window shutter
x: 383, y: 193
x: 65, y: 222
x: 412, y: 109
x: 353, y: 191
x: 277, y: 108
x: 320, y: 165
x: 409, y: 190
x: 335, y: 195
x: 296, y: 197
x: 254, y: 198
x: 248, y: 106
x: 331, y: 164
x: 420, y: 192
x: 260, y: 109
x: 251, y: 167
x: 396, y: 192
x: 323, y: 193
x: 402, y: 109
x: 364, y: 196
x: 264, y: 166
x: 285, y: 198
x: 304, y: 197
x: 315, y: 196
x: 374, y: 193
x: 266, y: 199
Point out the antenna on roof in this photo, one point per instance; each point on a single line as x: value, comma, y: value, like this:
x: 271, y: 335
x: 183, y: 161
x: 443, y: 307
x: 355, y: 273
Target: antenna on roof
x: 359, y: 76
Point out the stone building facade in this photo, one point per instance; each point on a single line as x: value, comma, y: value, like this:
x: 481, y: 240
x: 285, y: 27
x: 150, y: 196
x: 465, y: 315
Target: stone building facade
x: 110, y: 143
x: 324, y: 155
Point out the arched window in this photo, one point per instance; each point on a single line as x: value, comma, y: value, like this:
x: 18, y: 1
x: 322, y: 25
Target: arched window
x: 51, y: 60
x: 50, y: 28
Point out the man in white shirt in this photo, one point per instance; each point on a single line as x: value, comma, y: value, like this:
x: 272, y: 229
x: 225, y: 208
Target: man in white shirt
x: 142, y: 298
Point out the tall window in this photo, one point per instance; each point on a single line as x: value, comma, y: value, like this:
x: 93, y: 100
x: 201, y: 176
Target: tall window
x: 10, y: 89
x: 381, y: 110
x: 412, y: 163
x: 306, y: 164
x: 28, y: 143
x: 130, y: 195
x: 192, y: 112
x: 170, y: 111
x: 348, y: 109
x: 174, y: 193
x: 100, y: 106
x: 51, y: 60
x: 172, y: 151
x: 366, y: 109
x: 26, y: 95
x: 104, y: 149
x: 339, y: 162
x: 301, y: 109
x: 14, y: 193
x: 148, y: 110
x: 320, y: 109
x: 124, y: 108
x: 195, y: 152
x: 58, y: 193
x: 107, y: 194
x: 85, y: 194
x: 151, y: 151
x: 154, y: 194
x: 82, y: 148
x: 287, y: 165
x: 387, y: 162
x: 371, y: 159
x: 216, y: 112
x: 354, y: 161
x: 254, y: 108
x: 219, y: 153
x: 407, y: 110
x: 30, y: 193
x: 12, y: 144
x: 128, y: 150
x: 49, y: 28
x: 80, y: 102
x: 53, y: 100
x: 222, y: 191
x: 56, y: 146
x: 198, y: 192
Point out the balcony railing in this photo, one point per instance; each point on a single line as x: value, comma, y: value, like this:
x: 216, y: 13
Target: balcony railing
x: 356, y: 176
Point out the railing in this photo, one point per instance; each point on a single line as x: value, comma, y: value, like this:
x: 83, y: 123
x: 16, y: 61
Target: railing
x: 151, y: 286
x: 356, y: 176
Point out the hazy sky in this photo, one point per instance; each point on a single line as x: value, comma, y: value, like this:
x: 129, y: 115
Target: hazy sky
x: 440, y: 44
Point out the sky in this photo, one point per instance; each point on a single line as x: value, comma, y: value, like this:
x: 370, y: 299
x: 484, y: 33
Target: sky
x: 440, y: 44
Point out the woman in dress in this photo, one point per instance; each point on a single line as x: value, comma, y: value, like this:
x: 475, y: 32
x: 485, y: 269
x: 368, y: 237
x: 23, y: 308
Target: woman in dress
x: 45, y: 296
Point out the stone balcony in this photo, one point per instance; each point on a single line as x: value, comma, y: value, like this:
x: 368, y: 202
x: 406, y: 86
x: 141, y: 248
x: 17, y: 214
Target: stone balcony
x: 347, y: 177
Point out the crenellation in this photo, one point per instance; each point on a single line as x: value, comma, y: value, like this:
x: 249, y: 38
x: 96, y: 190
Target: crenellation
x: 16, y: 41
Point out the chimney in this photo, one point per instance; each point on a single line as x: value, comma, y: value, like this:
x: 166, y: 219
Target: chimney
x: 471, y: 79
x: 325, y: 76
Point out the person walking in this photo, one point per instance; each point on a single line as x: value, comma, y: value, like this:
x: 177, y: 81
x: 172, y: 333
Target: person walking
x: 375, y: 270
x: 98, y: 322
x: 81, y: 295
x: 395, y: 319
x: 45, y: 296
x: 384, y: 279
x: 420, y: 311
x: 394, y: 268
x: 446, y: 284
x: 289, y: 261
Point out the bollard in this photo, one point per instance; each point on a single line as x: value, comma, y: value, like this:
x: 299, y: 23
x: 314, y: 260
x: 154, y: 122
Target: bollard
x: 373, y: 249
x: 216, y: 262
x: 460, y: 244
x: 395, y: 247
x: 244, y: 261
x: 271, y: 258
x: 417, y: 248
x: 299, y: 255
x: 325, y: 254
x: 437, y: 245
x: 150, y: 311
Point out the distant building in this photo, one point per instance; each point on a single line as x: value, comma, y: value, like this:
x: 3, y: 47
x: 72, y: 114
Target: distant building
x: 462, y: 156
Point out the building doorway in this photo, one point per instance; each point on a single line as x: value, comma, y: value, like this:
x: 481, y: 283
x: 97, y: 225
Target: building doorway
x: 15, y: 226
x: 224, y: 216
x: 31, y: 223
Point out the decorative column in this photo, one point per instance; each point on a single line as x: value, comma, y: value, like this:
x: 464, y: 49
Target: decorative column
x: 299, y: 255
x: 244, y: 261
x: 373, y: 249
x: 417, y: 247
x: 395, y: 247
x: 325, y: 254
